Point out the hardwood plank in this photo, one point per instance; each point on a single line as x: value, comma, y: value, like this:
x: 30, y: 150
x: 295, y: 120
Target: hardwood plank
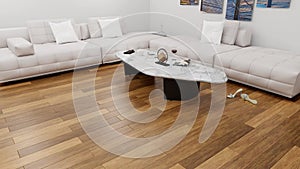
x: 31, y: 128
x: 6, y: 142
x: 218, y: 160
x: 177, y: 166
x: 45, y: 140
x: 59, y: 156
x: 72, y: 160
x: 290, y: 160
x: 266, y: 150
x: 7, y: 154
x: 29, y: 106
x: 275, y: 109
x: 4, y: 131
x: 13, y: 86
x: 41, y: 154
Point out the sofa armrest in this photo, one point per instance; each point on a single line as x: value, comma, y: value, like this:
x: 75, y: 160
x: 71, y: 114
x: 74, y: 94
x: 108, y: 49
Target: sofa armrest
x: 20, y: 46
x: 244, y: 38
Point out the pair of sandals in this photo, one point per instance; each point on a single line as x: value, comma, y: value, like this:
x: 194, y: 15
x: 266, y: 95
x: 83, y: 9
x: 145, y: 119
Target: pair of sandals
x: 245, y: 97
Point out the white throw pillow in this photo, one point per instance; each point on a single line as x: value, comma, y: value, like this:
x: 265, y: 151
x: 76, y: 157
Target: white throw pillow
x: 212, y: 31
x: 230, y: 32
x: 63, y: 32
x: 111, y: 27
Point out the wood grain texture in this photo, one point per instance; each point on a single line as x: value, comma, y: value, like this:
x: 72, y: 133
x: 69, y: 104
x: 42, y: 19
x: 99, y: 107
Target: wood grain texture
x: 39, y: 126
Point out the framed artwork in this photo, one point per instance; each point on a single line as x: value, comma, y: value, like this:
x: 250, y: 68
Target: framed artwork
x: 273, y: 3
x: 241, y: 10
x: 189, y: 2
x: 212, y: 6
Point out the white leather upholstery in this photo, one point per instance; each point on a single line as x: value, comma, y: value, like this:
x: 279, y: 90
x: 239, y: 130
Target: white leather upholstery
x: 12, y: 33
x: 84, y: 30
x: 270, y: 69
x: 244, y: 38
x: 40, y: 31
x: 8, y: 60
x: 109, y: 46
x: 62, y: 57
x: 230, y: 32
x: 20, y: 46
x: 191, y: 47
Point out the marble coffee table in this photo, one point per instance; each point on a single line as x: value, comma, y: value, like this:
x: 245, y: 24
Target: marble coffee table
x: 180, y: 83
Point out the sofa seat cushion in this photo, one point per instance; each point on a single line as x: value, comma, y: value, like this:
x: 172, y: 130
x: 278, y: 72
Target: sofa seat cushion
x: 8, y: 60
x: 52, y: 53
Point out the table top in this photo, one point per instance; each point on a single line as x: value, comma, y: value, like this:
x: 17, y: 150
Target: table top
x: 144, y: 61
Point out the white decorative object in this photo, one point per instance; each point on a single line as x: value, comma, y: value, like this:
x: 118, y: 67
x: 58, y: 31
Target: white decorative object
x: 247, y: 98
x: 63, y: 32
x: 111, y: 27
x: 212, y: 32
x: 231, y: 96
x: 20, y: 46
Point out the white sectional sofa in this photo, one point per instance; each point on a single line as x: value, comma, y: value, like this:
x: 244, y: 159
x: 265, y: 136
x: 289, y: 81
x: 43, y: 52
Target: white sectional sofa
x: 268, y: 69
x: 49, y: 57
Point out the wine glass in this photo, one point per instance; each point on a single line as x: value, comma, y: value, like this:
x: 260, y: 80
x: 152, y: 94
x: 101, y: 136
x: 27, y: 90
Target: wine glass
x: 174, y: 51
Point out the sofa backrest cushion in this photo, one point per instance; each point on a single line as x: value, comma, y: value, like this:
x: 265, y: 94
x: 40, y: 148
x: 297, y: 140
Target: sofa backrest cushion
x: 95, y: 28
x: 230, y: 32
x: 12, y: 33
x: 40, y: 31
x: 84, y: 30
x: 244, y: 37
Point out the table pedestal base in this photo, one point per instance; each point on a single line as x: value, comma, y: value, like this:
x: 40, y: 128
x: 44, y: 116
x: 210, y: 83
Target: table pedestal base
x: 174, y: 89
x: 180, y: 89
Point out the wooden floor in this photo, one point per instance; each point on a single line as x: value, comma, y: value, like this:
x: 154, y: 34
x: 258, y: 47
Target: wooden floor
x: 39, y: 128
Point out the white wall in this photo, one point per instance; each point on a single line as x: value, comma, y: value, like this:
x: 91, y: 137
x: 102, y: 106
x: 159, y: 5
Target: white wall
x: 277, y: 28
x: 16, y: 12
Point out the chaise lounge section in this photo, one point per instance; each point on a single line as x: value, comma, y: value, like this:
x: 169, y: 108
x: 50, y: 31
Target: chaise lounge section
x: 272, y: 70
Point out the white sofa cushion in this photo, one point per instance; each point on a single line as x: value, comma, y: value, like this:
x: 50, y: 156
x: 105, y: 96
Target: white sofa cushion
x: 111, y: 27
x: 230, y: 32
x: 244, y: 38
x: 191, y: 47
x: 12, y: 33
x: 84, y: 30
x: 95, y: 28
x: 40, y: 31
x: 65, y: 52
x: 63, y: 32
x: 212, y: 31
x: 20, y: 46
x: 8, y: 60
x: 109, y: 46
